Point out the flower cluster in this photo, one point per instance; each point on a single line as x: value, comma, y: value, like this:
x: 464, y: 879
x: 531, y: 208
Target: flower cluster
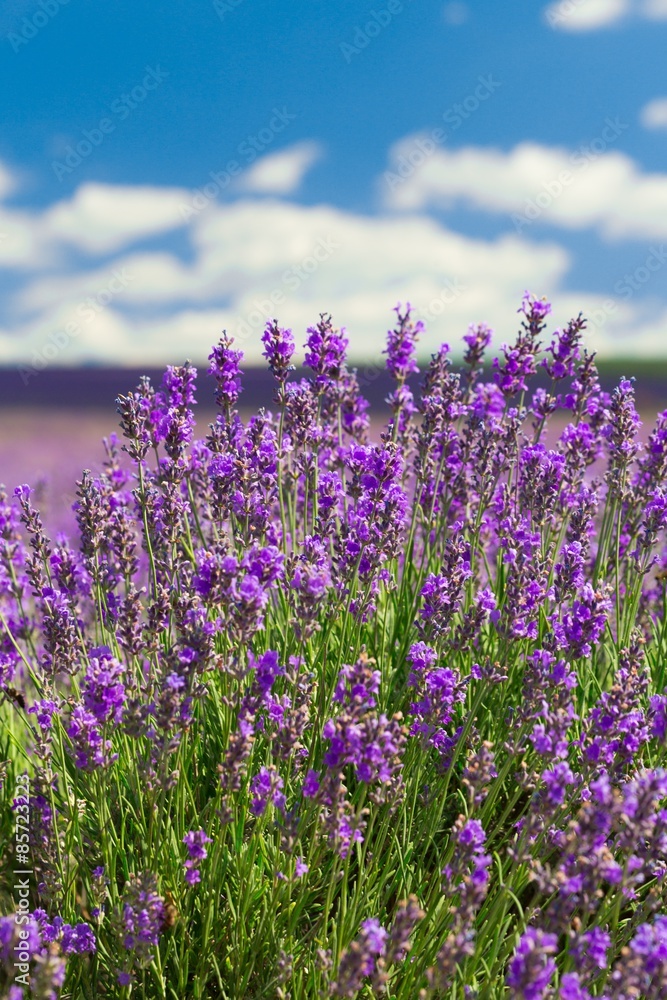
x: 314, y: 707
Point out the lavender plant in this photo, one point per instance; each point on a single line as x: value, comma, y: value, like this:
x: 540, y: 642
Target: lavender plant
x: 304, y: 714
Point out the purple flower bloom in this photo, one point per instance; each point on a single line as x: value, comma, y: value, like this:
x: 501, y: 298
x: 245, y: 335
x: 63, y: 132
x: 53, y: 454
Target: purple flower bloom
x: 267, y: 670
x: 195, y: 841
x: 300, y: 868
x: 44, y: 709
x: 477, y: 339
x: 519, y: 363
x: 359, y: 961
x: 556, y: 780
x: 642, y: 970
x: 266, y: 787
x: 622, y: 443
x: 439, y: 690
x: 78, y: 940
x: 141, y: 919
x: 27, y: 934
x: 583, y: 624
x: 102, y: 690
x: 90, y: 748
x: 177, y: 422
x: 564, y: 349
x: 376, y: 935
x: 279, y: 348
x: 591, y: 948
x: 531, y: 969
x: 658, y: 716
x: 224, y: 367
x: 442, y: 593
x: 325, y: 351
x: 311, y: 784
x: 616, y: 726
x: 408, y: 914
x: 309, y: 580
x: 571, y: 988
x: 401, y: 342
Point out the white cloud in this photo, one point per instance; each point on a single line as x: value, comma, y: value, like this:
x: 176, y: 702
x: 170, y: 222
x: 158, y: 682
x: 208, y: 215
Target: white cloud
x: 585, y: 15
x: 257, y: 258
x: 7, y: 181
x: 20, y: 244
x: 254, y: 258
x: 654, y: 114
x: 455, y: 13
x: 282, y: 172
x: 591, y: 15
x: 104, y: 217
x: 606, y: 191
x: 655, y: 10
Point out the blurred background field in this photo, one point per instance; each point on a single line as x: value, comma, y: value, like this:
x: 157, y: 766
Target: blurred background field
x: 53, y: 427
x: 160, y: 181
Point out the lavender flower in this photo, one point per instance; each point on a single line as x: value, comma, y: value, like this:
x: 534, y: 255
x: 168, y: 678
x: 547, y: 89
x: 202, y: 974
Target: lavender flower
x: 442, y: 593
x: 467, y: 877
x: 582, y: 625
x: 477, y: 340
x: 642, y: 971
x: 266, y: 787
x: 78, y: 939
x: 571, y: 988
x: 325, y: 352
x: 360, y: 960
x: 102, y: 688
x: 622, y: 443
x: 532, y: 968
x: 192, y: 667
x: 519, y: 363
x: 279, y: 348
x: 564, y: 350
x: 400, y: 349
x: 438, y: 691
x: 140, y: 920
x: 224, y: 367
x: 195, y: 841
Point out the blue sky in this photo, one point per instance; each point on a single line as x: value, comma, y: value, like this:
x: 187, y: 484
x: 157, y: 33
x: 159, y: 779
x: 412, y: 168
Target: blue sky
x: 169, y: 170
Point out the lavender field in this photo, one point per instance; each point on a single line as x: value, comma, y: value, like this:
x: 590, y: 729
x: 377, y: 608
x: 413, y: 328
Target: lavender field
x: 311, y: 707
